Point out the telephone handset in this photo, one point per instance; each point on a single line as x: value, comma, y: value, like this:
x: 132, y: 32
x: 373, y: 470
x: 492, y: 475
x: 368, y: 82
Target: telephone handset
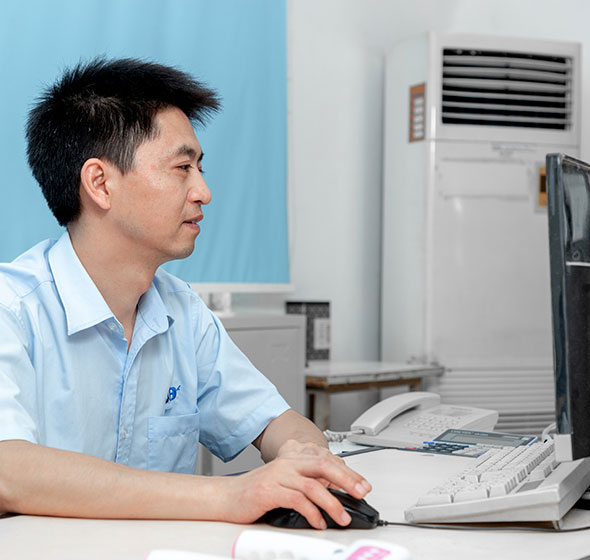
x: 380, y: 415
x: 410, y: 419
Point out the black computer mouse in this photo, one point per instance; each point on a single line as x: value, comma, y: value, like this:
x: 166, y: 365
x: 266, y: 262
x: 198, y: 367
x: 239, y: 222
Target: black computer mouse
x: 362, y: 514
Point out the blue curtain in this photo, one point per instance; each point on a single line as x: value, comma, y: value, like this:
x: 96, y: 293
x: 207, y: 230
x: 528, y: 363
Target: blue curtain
x: 238, y: 47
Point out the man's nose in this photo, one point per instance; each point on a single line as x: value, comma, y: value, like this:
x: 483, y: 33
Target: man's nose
x: 199, y: 191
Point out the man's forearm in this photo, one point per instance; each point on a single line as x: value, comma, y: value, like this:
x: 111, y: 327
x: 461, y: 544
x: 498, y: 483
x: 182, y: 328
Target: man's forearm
x: 44, y: 481
x: 289, y: 425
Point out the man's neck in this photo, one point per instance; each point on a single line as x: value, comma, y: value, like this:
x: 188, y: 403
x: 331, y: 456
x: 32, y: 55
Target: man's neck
x: 120, y: 278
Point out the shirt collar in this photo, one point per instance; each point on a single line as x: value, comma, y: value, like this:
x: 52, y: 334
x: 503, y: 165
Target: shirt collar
x: 83, y: 304
x: 153, y: 311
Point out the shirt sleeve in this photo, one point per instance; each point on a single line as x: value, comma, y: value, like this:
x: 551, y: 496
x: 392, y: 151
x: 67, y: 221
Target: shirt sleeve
x: 17, y: 381
x: 236, y: 401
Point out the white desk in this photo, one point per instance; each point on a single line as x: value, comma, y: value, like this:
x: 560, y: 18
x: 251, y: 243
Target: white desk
x: 323, y: 378
x: 397, y: 478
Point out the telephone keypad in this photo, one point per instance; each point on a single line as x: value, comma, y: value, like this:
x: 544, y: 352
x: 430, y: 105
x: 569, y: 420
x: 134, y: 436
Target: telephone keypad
x: 429, y: 423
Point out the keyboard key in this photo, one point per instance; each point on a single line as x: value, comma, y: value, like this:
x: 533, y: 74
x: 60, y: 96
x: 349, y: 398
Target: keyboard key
x: 500, y: 488
x: 536, y: 474
x: 469, y: 494
x: 434, y: 499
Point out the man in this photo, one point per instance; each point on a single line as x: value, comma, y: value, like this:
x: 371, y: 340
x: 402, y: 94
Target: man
x: 112, y: 370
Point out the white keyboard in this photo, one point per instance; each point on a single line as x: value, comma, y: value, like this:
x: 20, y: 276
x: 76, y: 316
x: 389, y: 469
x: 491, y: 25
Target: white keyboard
x: 506, y: 484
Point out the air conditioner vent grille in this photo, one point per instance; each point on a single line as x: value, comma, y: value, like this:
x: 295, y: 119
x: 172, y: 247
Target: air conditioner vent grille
x: 498, y: 88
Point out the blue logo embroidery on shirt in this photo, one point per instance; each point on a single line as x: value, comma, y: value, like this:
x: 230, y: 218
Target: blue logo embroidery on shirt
x: 172, y: 392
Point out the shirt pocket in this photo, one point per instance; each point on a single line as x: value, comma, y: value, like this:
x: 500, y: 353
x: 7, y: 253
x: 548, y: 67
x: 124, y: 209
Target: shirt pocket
x: 173, y: 443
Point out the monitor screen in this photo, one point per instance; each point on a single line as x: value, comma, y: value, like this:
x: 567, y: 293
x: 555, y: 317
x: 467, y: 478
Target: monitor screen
x: 568, y: 201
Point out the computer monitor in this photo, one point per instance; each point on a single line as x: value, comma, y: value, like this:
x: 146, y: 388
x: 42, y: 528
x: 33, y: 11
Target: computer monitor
x: 568, y: 202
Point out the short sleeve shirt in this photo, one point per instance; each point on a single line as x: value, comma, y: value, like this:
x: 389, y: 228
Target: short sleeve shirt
x: 68, y: 379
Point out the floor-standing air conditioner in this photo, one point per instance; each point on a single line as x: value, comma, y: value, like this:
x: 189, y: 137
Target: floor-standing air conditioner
x: 469, y: 120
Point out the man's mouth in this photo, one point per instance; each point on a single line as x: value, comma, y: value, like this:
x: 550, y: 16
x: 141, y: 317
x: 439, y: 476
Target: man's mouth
x: 194, y: 224
x: 194, y: 220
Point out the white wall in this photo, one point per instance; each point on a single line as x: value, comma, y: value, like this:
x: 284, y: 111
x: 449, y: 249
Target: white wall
x: 336, y: 50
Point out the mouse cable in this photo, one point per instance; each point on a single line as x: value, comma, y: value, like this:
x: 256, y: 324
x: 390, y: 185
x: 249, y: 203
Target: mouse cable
x: 383, y: 523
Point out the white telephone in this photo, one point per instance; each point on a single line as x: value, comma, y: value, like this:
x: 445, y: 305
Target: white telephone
x: 410, y: 419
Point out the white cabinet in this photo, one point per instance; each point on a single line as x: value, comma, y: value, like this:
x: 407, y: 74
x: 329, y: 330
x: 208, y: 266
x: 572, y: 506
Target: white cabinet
x: 275, y: 344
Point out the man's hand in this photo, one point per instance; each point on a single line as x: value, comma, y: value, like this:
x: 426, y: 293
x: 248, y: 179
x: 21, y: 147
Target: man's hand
x: 298, y: 471
x: 296, y: 479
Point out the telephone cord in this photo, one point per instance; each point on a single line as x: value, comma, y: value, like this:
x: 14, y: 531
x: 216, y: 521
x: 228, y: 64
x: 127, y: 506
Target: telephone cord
x: 339, y: 436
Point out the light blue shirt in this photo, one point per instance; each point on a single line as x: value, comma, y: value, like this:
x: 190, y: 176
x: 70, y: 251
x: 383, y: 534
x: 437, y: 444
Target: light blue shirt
x: 67, y: 380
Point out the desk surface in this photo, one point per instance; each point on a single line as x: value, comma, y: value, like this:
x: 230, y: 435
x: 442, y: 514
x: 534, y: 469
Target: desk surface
x: 397, y: 478
x: 340, y: 372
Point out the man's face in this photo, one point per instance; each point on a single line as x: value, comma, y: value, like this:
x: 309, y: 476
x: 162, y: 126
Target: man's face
x: 158, y: 203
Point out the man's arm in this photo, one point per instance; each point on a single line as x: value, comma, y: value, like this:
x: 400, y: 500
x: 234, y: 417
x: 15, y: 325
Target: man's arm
x: 44, y: 481
x: 288, y: 426
x: 40, y: 480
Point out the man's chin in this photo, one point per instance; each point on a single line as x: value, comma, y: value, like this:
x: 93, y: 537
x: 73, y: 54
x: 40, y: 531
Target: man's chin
x: 185, y: 253
x: 181, y: 253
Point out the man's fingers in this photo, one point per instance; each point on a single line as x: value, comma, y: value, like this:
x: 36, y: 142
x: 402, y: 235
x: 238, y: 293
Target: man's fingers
x: 322, y: 464
x: 338, y: 475
x: 330, y: 504
x: 306, y: 507
x: 311, y: 496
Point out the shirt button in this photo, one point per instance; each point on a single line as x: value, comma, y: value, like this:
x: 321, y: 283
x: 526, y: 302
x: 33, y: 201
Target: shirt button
x: 124, y: 433
x: 113, y: 326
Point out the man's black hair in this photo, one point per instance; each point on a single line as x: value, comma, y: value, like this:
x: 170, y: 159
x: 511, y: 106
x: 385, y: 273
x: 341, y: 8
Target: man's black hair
x: 103, y: 109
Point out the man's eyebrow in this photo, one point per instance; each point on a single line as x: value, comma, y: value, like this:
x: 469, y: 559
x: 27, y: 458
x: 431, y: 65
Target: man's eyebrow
x: 185, y: 150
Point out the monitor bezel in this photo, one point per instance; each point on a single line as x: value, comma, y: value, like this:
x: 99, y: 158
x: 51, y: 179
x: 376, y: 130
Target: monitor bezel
x: 571, y: 357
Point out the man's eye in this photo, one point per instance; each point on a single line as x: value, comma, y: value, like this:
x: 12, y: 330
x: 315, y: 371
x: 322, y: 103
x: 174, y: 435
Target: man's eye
x: 185, y: 167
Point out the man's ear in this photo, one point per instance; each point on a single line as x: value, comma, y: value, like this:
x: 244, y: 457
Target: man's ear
x: 94, y: 182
